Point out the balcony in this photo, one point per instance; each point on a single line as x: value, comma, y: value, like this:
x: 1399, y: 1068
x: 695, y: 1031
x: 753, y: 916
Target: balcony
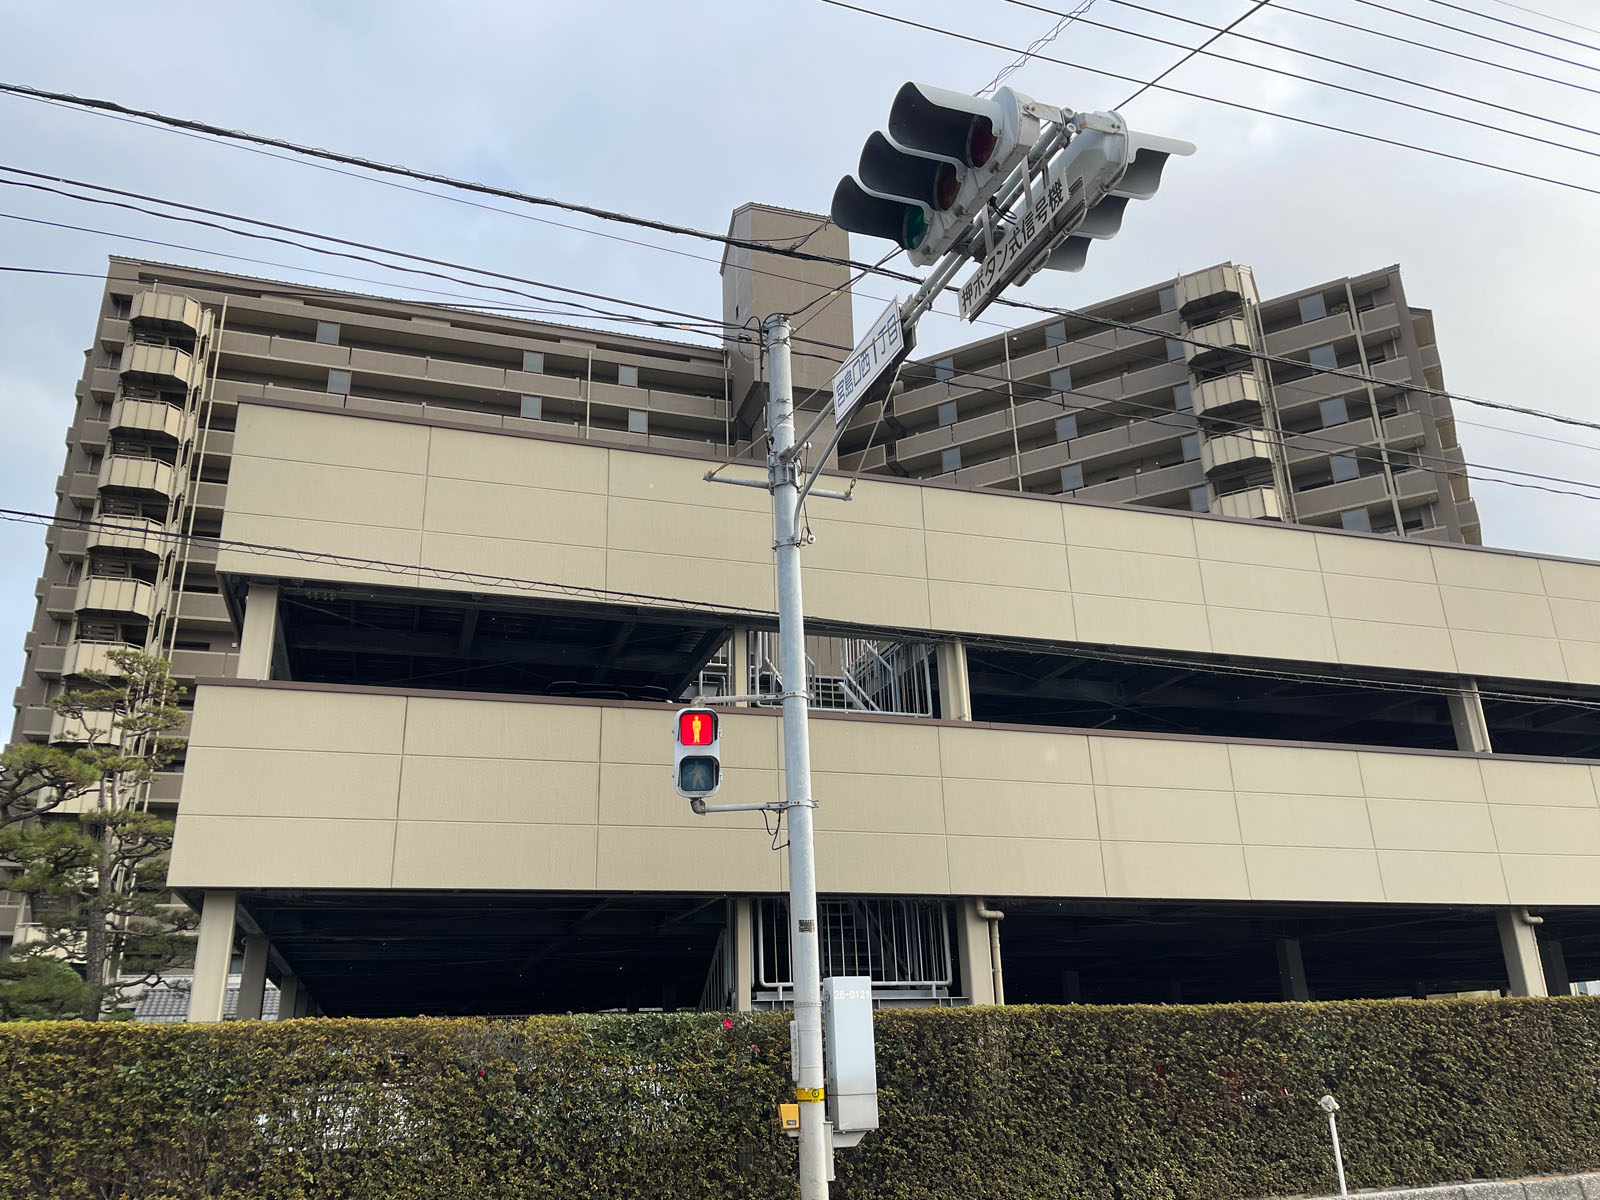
x: 1333, y: 498
x: 122, y: 472
x: 1226, y: 393
x: 138, y: 535
x: 1213, y: 287
x: 202, y: 664
x: 118, y: 597
x: 82, y: 657
x: 1235, y: 451
x: 79, y: 731
x: 150, y: 418
x: 1256, y: 504
x: 82, y: 488
x: 91, y: 434
x: 204, y: 610
x: 1405, y: 429
x: 36, y: 721
x: 169, y: 313
x: 1228, y: 334
x: 161, y: 364
x: 61, y: 601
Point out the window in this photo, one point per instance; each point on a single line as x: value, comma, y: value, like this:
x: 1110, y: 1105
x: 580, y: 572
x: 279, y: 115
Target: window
x: 947, y: 413
x: 1334, y: 412
x: 1174, y: 349
x: 1323, y: 356
x: 1191, y: 447
x: 944, y: 369
x: 1198, y: 500
x: 1061, y: 379
x: 339, y: 382
x: 950, y: 460
x: 1312, y: 308
x: 1066, y: 428
x: 638, y: 422
x: 1169, y: 299
x: 628, y: 376
x: 533, y: 408
x: 1344, y: 467
x: 1356, y: 520
x: 1182, y: 400
x: 1071, y: 477
x: 1055, y: 335
x: 533, y: 362
x: 328, y: 333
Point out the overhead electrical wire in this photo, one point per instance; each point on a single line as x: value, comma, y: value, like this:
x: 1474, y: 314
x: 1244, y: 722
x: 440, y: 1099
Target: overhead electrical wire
x: 1484, y: 37
x: 1556, y: 37
x: 1534, y: 12
x: 1192, y: 50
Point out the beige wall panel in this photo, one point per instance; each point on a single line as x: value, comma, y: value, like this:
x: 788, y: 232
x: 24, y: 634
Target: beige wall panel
x: 360, y: 495
x: 1526, y: 829
x: 997, y: 561
x: 1574, y: 580
x: 635, y: 794
x: 501, y: 729
x: 700, y: 531
x: 395, y: 546
x: 987, y: 866
x: 1119, y: 528
x: 991, y: 754
x: 875, y: 503
x: 324, y: 438
x: 1497, y: 612
x: 706, y: 858
x: 1268, y: 819
x: 1431, y: 825
x: 1365, y: 643
x: 497, y: 510
x: 1459, y: 567
x: 583, y: 566
x: 489, y: 854
x: 1300, y: 873
x: 1155, y: 623
x: 1261, y: 545
x: 1505, y: 655
x: 987, y: 515
x: 273, y: 719
x: 1135, y: 574
x: 1173, y: 871
x: 981, y: 608
x: 1550, y: 878
x: 1143, y: 814
x: 288, y: 783
x: 521, y: 462
x: 640, y: 735
x: 1375, y: 558
x: 679, y: 481
x: 508, y: 790
x: 1430, y: 877
x: 875, y: 747
x: 1273, y: 589
x: 273, y: 852
x: 878, y: 863
x: 1400, y: 601
x: 864, y: 803
x: 1294, y: 768
x: 861, y: 547
x: 1153, y: 762
x: 1542, y: 783
x: 1578, y: 620
x: 875, y: 599
x: 737, y: 584
x: 1582, y: 660
x: 1271, y: 634
x: 1009, y: 809
x: 1421, y: 777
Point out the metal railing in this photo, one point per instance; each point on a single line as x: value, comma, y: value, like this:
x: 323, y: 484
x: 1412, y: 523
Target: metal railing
x: 903, y: 946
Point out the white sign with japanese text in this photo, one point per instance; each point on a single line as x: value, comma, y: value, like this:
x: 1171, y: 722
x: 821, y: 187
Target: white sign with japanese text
x: 1030, y: 232
x: 882, y: 348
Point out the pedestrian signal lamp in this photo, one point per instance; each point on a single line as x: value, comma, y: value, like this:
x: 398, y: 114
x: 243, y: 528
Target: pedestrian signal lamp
x: 696, y: 753
x: 945, y: 155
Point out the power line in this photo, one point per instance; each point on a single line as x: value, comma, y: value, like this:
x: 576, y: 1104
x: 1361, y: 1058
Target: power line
x: 1483, y: 16
x: 1547, y: 16
x: 1038, y: 43
x: 1200, y: 49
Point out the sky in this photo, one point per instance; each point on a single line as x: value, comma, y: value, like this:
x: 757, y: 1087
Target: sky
x: 683, y: 112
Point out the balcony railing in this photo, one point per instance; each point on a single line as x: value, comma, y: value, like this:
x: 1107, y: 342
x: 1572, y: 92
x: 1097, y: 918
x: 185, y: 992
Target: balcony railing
x: 160, y: 363
x: 1226, y: 393
x: 125, y: 597
x: 1259, y: 503
x: 126, y: 473
x: 141, y: 535
x: 1233, y: 451
x: 150, y: 417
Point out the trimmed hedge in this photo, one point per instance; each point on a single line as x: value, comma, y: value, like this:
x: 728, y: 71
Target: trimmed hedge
x: 1198, y: 1103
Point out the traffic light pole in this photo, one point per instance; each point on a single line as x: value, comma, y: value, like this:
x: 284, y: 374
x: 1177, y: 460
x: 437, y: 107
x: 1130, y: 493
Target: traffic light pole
x: 783, y: 474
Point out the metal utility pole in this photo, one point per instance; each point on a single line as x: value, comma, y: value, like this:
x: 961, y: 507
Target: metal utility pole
x: 783, y: 475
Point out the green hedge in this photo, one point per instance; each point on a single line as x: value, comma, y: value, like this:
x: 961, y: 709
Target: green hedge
x: 1204, y: 1103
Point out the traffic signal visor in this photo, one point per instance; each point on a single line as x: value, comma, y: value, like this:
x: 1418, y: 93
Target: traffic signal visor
x: 696, y: 753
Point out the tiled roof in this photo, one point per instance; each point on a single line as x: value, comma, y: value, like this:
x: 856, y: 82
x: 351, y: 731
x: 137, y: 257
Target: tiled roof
x: 171, y: 1004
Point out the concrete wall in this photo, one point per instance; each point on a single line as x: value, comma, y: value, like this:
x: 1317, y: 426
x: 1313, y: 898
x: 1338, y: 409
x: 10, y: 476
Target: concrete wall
x: 912, y: 556
x: 303, y: 786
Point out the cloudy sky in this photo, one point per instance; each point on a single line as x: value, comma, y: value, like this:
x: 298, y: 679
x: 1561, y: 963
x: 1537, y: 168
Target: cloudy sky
x: 684, y: 111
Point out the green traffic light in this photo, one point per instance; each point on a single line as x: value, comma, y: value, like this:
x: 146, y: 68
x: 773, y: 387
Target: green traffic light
x: 914, y: 229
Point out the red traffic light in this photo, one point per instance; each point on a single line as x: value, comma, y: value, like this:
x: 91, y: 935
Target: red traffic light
x: 697, y: 727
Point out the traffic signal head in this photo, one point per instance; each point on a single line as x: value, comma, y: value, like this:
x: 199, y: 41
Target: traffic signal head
x: 696, y: 753
x: 945, y: 155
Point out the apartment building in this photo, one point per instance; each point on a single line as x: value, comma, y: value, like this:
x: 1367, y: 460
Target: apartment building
x: 438, y: 576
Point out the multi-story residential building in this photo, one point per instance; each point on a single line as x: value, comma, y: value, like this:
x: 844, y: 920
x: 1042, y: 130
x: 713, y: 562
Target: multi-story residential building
x: 437, y: 575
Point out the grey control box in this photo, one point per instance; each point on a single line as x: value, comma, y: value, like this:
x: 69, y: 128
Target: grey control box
x: 850, y: 1056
